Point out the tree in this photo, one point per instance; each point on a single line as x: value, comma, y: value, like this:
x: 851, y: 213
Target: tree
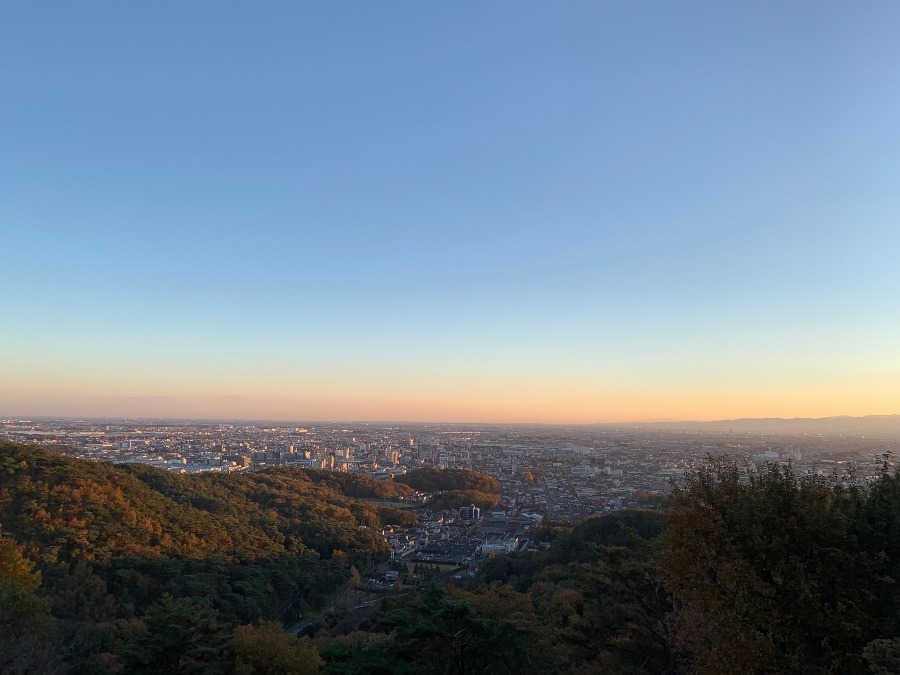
x: 266, y: 649
x: 883, y: 656
x: 20, y: 605
x: 363, y: 653
x: 180, y: 636
x: 778, y: 572
x: 27, y: 631
x: 447, y: 635
x: 355, y: 581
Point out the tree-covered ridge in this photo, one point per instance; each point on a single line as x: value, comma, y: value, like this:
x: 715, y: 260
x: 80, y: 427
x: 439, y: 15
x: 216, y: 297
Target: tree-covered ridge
x: 454, y: 499
x: 128, y: 554
x: 357, y: 485
x: 439, y: 480
x: 452, y: 488
x: 66, y: 509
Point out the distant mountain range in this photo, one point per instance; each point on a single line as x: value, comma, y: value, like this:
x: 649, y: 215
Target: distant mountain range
x: 887, y: 426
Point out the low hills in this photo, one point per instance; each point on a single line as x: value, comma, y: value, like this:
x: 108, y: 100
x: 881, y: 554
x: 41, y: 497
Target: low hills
x: 881, y: 426
x: 112, y: 542
x: 453, y: 488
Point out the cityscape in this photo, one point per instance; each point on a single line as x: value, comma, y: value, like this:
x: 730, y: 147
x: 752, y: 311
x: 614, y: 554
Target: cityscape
x: 559, y: 473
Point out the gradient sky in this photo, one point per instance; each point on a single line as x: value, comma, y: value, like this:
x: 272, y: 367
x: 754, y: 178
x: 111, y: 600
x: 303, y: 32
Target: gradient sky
x: 460, y: 211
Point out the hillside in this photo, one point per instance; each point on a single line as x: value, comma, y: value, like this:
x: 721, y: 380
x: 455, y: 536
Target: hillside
x: 453, y: 488
x: 111, y: 541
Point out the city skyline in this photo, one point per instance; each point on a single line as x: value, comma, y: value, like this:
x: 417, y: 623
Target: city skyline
x: 472, y: 213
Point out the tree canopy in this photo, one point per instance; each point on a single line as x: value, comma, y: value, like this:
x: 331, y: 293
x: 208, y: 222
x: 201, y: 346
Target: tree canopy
x: 781, y: 572
x: 439, y: 480
x: 126, y: 556
x: 453, y: 488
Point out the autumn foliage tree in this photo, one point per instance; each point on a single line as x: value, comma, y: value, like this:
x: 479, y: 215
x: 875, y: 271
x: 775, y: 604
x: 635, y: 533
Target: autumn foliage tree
x: 453, y: 488
x: 266, y: 649
x: 438, y: 480
x: 132, y: 561
x: 777, y: 572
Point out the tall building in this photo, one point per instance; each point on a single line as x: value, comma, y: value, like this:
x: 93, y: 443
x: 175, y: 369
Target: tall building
x: 469, y: 513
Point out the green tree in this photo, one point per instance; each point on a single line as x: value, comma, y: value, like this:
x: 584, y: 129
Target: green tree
x: 446, y: 635
x: 179, y: 636
x: 777, y: 572
x: 364, y: 653
x: 28, y: 640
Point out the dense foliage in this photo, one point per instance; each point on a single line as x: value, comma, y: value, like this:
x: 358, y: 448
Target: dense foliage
x: 439, y: 480
x: 124, y: 553
x: 453, y: 488
x: 357, y: 485
x: 27, y: 630
x: 454, y: 499
x: 780, y: 572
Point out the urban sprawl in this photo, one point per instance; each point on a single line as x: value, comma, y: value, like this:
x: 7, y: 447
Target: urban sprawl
x: 553, y: 472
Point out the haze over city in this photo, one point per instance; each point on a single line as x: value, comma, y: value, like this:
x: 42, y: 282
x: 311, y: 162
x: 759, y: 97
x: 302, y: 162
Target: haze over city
x: 501, y: 212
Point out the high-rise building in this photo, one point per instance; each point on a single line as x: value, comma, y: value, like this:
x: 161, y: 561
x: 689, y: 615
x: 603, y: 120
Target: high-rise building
x: 469, y: 513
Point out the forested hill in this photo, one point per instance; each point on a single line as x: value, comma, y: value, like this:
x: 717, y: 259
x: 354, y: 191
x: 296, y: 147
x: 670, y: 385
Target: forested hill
x: 112, y: 542
x: 454, y: 487
x: 65, y: 509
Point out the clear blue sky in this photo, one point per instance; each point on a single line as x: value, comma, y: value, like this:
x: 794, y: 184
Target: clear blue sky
x: 490, y: 210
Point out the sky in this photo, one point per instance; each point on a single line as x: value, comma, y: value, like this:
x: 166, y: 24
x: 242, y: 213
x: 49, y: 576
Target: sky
x: 433, y: 211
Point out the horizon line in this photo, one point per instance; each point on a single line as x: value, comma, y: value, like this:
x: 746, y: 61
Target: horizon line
x: 300, y: 421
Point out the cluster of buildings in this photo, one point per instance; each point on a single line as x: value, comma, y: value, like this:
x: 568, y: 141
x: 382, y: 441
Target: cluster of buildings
x: 460, y: 537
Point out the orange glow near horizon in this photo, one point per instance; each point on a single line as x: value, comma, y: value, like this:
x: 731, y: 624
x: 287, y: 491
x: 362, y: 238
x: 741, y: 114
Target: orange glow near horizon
x: 456, y: 399
x: 573, y: 390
